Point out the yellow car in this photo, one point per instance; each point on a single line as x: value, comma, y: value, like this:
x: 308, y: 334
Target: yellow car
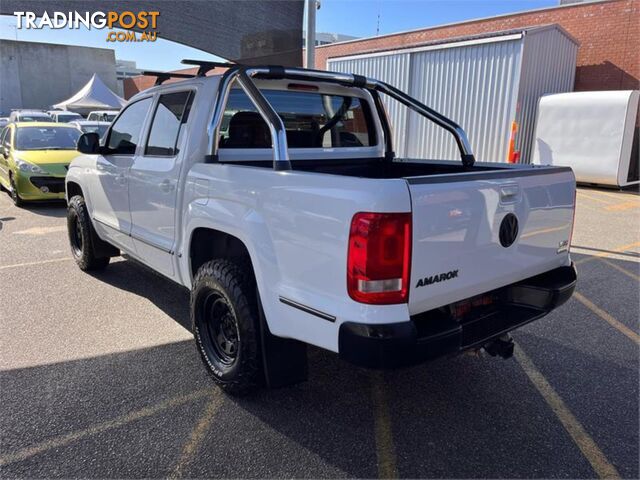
x: 34, y: 158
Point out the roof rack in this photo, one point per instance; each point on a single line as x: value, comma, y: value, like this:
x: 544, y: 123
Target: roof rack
x: 162, y: 77
x: 205, y: 66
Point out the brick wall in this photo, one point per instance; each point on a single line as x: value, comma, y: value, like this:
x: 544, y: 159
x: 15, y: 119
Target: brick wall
x: 608, y: 32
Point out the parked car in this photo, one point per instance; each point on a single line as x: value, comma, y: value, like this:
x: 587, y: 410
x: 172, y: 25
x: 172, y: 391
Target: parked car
x: 102, y: 115
x: 298, y: 226
x: 90, y: 126
x: 64, y: 116
x: 34, y: 157
x: 3, y: 121
x: 29, y: 116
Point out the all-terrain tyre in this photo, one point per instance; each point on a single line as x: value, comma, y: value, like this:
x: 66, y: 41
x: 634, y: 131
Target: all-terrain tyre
x: 225, y: 320
x: 81, y: 235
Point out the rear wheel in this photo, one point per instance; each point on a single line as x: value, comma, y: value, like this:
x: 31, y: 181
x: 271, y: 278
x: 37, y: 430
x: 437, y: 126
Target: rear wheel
x: 224, y: 312
x: 15, y: 196
x: 80, y: 236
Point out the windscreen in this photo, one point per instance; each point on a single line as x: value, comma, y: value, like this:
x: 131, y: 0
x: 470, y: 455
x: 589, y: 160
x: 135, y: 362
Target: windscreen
x: 34, y: 118
x: 68, y: 118
x: 311, y: 119
x: 47, y: 138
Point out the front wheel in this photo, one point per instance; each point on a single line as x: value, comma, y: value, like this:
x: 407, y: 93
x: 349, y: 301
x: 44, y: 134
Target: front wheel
x: 224, y: 313
x: 15, y: 196
x: 80, y: 229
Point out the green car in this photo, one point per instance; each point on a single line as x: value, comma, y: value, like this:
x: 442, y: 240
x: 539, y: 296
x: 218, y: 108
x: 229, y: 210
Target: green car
x: 34, y: 158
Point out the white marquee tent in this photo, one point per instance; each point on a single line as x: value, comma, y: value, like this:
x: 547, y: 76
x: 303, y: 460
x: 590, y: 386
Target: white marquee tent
x: 95, y: 95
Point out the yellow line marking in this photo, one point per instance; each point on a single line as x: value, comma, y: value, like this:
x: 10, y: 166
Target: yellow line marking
x: 610, y: 253
x: 29, y: 264
x: 620, y: 269
x: 385, y: 449
x: 545, y: 230
x: 617, y: 195
x: 618, y: 207
x: 197, y: 434
x: 574, y: 428
x: 622, y: 328
x: 68, y: 438
x: 595, y: 199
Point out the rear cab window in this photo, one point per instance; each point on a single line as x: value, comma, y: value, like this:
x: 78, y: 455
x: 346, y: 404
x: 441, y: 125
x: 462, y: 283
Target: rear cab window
x: 312, y: 120
x: 171, y: 113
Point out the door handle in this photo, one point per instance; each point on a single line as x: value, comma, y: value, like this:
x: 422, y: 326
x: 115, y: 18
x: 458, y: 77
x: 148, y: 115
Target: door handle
x: 509, y: 193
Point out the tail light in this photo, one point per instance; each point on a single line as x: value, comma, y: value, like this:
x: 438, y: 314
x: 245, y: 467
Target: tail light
x: 379, y: 258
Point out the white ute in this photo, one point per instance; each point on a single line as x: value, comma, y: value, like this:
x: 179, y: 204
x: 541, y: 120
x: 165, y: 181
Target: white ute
x: 274, y: 195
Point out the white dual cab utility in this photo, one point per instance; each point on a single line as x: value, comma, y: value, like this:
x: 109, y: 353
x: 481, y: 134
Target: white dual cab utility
x: 273, y: 194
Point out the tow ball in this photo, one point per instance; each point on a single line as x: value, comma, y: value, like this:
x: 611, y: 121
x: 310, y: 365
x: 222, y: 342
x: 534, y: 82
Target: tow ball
x: 502, y: 346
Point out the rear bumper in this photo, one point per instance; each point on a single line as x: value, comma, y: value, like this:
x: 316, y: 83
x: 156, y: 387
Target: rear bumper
x: 436, y: 333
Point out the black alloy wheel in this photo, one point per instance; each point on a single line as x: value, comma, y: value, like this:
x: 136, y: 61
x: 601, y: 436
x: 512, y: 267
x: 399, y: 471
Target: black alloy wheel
x: 220, y: 337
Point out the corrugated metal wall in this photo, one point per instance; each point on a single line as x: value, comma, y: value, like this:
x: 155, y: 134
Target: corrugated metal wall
x: 393, y: 69
x: 476, y: 86
x: 548, y: 66
x: 480, y: 85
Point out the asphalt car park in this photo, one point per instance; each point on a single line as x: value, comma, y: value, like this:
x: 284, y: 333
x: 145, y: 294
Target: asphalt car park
x: 99, y: 377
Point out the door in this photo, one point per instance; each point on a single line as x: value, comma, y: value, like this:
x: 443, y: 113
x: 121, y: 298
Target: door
x: 110, y: 193
x: 153, y: 182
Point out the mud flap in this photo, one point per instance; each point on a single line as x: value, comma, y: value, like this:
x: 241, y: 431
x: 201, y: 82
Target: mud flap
x: 284, y: 359
x: 100, y: 247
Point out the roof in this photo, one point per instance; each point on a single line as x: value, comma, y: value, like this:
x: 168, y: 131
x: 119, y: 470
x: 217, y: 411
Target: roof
x: 42, y: 124
x: 27, y: 111
x: 94, y: 95
x: 89, y: 122
x: 480, y: 38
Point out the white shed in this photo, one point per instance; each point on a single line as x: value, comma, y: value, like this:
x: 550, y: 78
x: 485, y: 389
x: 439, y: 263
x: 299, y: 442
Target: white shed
x: 484, y: 83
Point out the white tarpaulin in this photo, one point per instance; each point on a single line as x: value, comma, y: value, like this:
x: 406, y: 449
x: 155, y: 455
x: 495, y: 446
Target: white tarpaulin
x: 95, y: 95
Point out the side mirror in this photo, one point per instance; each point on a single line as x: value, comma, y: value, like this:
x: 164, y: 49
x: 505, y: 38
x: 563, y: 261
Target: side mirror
x: 4, y: 151
x: 89, y: 143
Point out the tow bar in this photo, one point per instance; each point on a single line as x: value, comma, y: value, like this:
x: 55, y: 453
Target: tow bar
x: 502, y: 346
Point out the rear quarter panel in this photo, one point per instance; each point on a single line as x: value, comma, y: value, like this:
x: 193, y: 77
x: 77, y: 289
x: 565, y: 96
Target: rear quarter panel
x: 296, y: 227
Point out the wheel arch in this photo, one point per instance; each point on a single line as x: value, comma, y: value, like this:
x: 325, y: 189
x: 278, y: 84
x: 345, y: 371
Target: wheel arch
x: 207, y: 243
x: 73, y: 188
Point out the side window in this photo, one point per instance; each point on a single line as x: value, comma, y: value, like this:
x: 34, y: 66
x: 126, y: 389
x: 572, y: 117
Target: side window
x: 125, y: 132
x: 171, y: 114
x: 3, y: 136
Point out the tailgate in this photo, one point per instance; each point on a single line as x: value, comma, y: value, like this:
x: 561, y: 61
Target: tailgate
x: 474, y: 232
